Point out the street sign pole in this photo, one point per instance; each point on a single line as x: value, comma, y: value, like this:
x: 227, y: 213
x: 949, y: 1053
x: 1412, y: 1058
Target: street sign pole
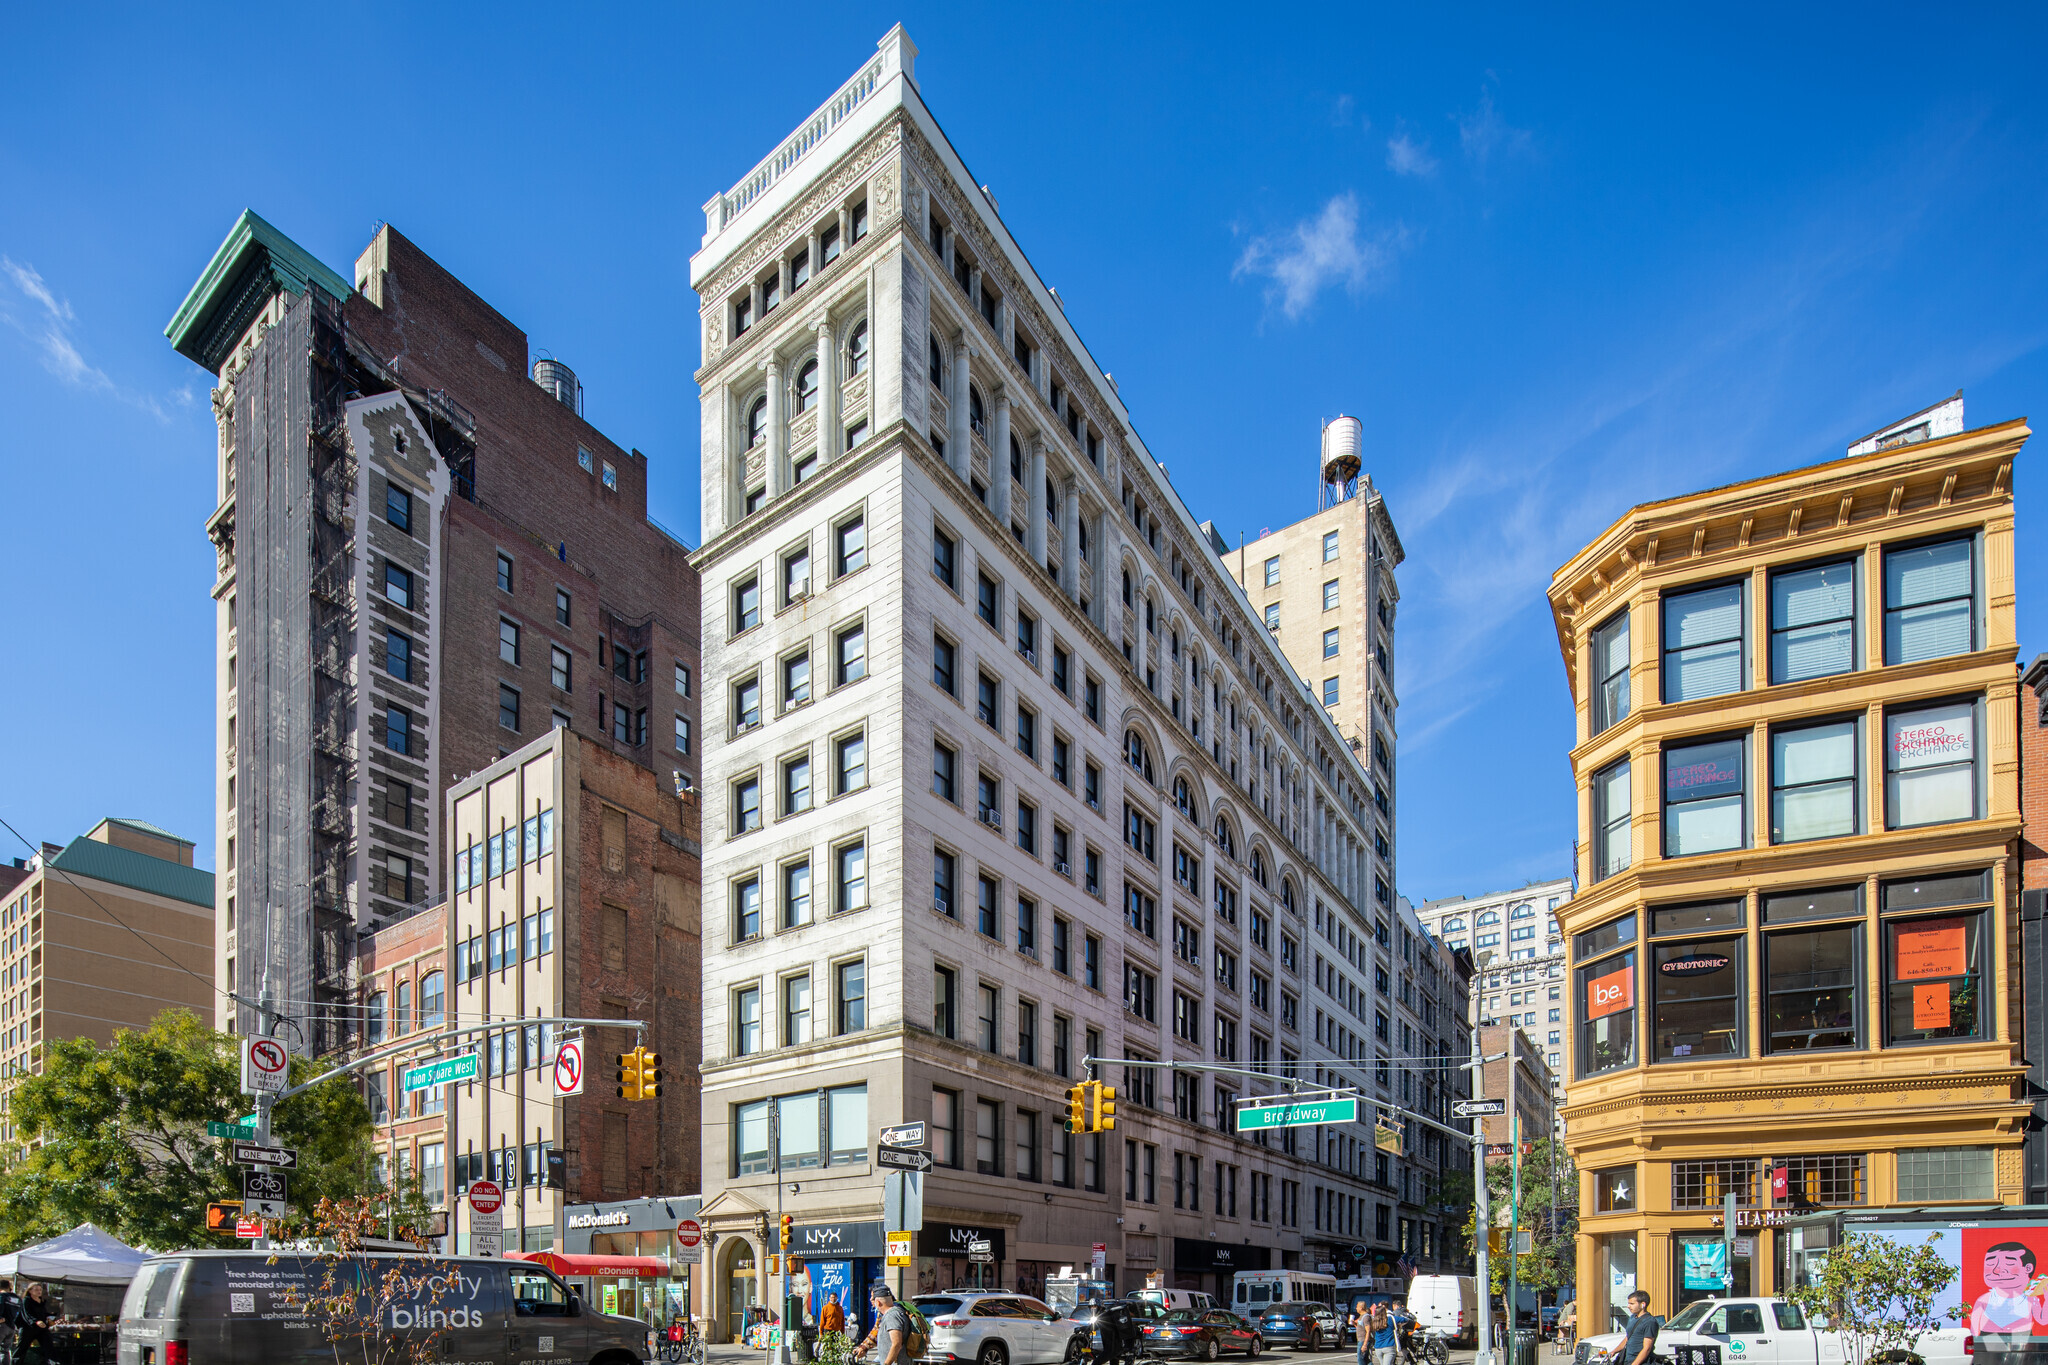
x: 1482, y: 1215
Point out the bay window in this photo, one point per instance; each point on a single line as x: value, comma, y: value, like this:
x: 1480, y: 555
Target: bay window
x: 1814, y: 791
x: 1611, y: 820
x: 1610, y: 673
x: 1703, y: 642
x: 1930, y: 759
x: 1705, y: 805
x: 1813, y: 622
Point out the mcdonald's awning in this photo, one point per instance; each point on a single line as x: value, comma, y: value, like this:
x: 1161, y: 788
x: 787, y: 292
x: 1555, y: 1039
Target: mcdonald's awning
x: 620, y: 1267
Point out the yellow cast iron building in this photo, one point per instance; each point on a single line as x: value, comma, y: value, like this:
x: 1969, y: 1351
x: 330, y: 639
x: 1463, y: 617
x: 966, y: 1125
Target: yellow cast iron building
x: 1797, y: 775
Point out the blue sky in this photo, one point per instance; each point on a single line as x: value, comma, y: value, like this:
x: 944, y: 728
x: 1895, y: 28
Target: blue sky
x: 1561, y: 260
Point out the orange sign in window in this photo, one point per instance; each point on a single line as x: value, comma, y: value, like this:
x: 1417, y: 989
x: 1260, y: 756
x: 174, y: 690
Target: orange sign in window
x: 1931, y: 948
x: 1930, y: 1006
x: 1610, y: 994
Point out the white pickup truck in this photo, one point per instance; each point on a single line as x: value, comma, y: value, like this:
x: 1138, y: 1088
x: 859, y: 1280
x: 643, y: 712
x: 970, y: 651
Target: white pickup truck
x: 1757, y: 1332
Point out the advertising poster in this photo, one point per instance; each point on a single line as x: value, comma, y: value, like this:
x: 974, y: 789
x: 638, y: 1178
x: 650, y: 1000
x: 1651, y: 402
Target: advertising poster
x: 1925, y: 949
x: 2005, y: 1285
x: 1947, y: 737
x: 1706, y: 1265
x: 1611, y: 994
x: 831, y: 1280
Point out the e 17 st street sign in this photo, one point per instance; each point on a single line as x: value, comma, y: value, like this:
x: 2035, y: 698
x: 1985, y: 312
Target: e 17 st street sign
x: 1478, y: 1109
x: 1296, y: 1114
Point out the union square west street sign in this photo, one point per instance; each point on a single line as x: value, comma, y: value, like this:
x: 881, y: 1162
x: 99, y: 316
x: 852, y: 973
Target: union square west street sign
x: 1296, y: 1114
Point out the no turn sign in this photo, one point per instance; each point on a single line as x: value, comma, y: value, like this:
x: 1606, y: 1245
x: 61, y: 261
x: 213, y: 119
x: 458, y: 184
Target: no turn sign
x: 569, y: 1067
x: 485, y: 1196
x: 265, y: 1064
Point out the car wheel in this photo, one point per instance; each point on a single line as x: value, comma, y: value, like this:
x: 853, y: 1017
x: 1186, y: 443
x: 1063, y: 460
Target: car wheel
x: 1209, y: 1351
x: 992, y: 1353
x: 1312, y: 1342
x: 1253, y: 1347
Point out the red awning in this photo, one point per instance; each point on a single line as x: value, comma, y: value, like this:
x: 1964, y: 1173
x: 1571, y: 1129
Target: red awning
x: 628, y: 1267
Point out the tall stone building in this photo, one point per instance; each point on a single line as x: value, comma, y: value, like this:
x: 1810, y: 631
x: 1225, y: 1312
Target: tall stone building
x: 1794, y: 951
x: 1005, y: 772
x: 1517, y: 942
x: 425, y: 559
x: 1325, y: 588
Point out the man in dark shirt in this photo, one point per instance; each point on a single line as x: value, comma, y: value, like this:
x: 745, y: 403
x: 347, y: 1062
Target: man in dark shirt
x: 1642, y: 1330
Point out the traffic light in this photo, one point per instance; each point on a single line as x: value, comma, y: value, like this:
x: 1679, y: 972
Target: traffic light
x: 787, y: 1221
x: 650, y: 1074
x: 629, y: 1075
x: 1077, y: 1108
x: 1102, y: 1110
x: 223, y: 1216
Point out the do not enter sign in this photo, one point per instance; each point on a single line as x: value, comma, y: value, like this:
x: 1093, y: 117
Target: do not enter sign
x: 486, y: 1197
x: 689, y: 1232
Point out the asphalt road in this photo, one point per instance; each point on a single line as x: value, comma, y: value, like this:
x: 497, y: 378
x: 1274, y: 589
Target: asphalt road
x: 740, y: 1355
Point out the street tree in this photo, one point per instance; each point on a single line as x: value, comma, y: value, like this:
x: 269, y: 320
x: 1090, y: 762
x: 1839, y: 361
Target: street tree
x: 1877, y: 1292
x: 1549, y: 1214
x: 115, y: 1134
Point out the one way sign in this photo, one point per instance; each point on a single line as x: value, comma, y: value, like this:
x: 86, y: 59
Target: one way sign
x: 249, y: 1154
x: 1472, y: 1109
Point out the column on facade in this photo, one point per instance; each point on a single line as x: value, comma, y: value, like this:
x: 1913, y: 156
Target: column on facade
x: 1070, y: 538
x: 960, y: 433
x: 999, y: 456
x: 778, y: 429
x: 1034, y: 496
x: 828, y: 394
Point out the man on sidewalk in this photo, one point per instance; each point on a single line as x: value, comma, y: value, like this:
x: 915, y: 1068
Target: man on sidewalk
x: 892, y: 1328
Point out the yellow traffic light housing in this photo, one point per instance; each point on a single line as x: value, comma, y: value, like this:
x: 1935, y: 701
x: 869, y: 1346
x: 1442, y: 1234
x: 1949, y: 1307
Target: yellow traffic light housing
x: 650, y: 1074
x: 629, y: 1075
x: 788, y: 1220
x: 1077, y: 1108
x: 223, y: 1216
x: 1102, y: 1115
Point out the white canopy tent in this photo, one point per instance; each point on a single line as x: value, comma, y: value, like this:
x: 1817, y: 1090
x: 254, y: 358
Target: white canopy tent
x: 84, y: 1255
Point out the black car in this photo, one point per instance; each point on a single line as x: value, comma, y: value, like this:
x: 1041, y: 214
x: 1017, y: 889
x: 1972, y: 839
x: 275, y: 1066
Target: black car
x: 1304, y: 1326
x: 1203, y: 1335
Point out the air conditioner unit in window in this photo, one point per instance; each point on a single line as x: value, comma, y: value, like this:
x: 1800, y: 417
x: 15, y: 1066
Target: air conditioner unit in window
x: 750, y: 725
x: 991, y: 817
x: 1030, y: 656
x: 939, y: 904
x: 800, y: 594
x: 1062, y: 869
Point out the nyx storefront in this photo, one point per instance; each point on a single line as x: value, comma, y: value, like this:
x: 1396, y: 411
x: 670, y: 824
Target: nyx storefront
x: 1209, y: 1266
x: 842, y: 1260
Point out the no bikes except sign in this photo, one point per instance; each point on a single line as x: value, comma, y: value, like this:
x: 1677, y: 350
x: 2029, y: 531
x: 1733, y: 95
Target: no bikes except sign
x: 265, y: 1065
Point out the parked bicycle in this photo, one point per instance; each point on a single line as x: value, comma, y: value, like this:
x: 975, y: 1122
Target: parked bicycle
x: 683, y: 1344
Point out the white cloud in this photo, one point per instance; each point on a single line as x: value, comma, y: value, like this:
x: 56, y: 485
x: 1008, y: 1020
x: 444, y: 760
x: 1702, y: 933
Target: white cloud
x: 46, y: 322
x: 1316, y: 254
x: 1407, y: 156
x: 1483, y: 133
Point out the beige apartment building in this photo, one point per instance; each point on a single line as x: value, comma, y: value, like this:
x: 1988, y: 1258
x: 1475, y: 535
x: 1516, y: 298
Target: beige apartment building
x: 104, y: 933
x: 1326, y: 591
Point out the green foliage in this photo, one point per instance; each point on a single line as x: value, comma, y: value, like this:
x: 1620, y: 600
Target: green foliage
x: 1877, y: 1292
x: 116, y: 1135
x: 1547, y: 1169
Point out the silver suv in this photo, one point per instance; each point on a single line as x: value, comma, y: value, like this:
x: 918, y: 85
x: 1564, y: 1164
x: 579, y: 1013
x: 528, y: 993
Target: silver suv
x: 993, y: 1328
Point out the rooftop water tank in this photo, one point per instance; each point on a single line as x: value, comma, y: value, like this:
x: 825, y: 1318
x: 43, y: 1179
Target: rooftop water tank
x: 1343, y: 438
x: 559, y: 380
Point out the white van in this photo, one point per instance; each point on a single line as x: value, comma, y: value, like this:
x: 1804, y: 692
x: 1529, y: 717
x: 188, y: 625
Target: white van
x: 1192, y: 1299
x: 1449, y: 1303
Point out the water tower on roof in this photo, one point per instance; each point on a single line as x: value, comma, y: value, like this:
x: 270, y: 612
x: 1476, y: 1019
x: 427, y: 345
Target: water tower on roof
x: 1343, y: 438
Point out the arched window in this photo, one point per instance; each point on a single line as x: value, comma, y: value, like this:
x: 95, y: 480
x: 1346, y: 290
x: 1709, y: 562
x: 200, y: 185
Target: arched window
x: 1224, y: 840
x: 403, y: 1022
x: 976, y: 418
x: 1052, y: 502
x: 757, y: 423
x: 1127, y: 587
x: 1490, y: 917
x: 857, y: 350
x: 807, y: 386
x: 1182, y: 798
x: 937, y: 362
x: 1137, y: 755
x: 1523, y: 912
x: 432, y: 1000
x: 1258, y: 867
x: 1454, y: 926
x: 1287, y: 894
x: 375, y: 1020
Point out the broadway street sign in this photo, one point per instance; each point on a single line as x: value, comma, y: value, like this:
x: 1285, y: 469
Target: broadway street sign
x: 440, y: 1072
x: 1296, y: 1114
